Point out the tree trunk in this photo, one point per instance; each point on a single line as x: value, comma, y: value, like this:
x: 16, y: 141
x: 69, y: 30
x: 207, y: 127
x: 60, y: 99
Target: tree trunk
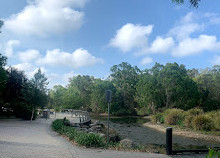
x: 32, y: 115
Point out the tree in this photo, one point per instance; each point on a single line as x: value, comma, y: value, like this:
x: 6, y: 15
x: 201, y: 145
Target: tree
x: 56, y: 96
x: 194, y: 3
x: 124, y: 78
x: 177, y: 86
x: 1, y: 24
x: 98, y: 102
x: 40, y: 81
x: 209, y: 87
x: 3, y: 80
x: 81, y: 87
x: 35, y: 91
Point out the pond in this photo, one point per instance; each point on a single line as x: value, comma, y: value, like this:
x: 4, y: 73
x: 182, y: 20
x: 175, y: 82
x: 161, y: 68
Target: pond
x: 132, y: 128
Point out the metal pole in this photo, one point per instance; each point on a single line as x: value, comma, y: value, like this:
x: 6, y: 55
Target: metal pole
x: 108, y: 123
x: 169, y: 141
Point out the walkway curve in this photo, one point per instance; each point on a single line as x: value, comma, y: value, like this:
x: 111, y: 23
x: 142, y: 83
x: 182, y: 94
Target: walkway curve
x: 22, y: 139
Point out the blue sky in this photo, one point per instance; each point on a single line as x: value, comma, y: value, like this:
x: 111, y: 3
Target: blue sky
x: 87, y: 37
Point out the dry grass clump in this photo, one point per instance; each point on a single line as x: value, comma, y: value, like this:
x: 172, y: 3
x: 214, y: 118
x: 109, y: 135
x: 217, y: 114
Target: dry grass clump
x: 202, y: 122
x: 215, y: 115
x: 190, y: 114
x: 174, y: 116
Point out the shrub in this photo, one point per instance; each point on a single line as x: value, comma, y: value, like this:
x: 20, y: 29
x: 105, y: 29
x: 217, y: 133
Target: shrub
x: 71, y: 133
x: 194, y: 112
x: 202, y: 122
x: 174, y: 116
x: 158, y: 118
x: 89, y: 140
x: 215, y: 115
x: 190, y: 114
x: 57, y: 125
x: 188, y: 121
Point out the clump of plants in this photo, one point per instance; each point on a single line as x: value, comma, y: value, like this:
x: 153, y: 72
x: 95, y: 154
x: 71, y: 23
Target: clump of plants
x: 158, y: 118
x: 195, y: 118
x: 89, y: 139
x: 202, y: 122
x: 81, y: 138
x: 190, y: 115
x: 215, y: 115
x: 174, y: 116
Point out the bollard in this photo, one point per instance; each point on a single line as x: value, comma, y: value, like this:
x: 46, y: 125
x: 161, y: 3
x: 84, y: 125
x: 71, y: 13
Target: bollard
x: 169, y: 141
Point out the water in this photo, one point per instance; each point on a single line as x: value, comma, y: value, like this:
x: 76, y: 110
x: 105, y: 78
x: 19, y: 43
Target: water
x: 131, y: 127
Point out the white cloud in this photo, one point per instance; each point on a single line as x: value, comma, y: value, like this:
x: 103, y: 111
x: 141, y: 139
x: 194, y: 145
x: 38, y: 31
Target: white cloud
x: 9, y: 47
x: 191, y: 46
x: 29, y: 55
x: 146, y: 60
x: 29, y: 69
x: 216, y: 60
x: 161, y: 45
x: 76, y: 59
x: 59, y: 79
x: 131, y: 36
x: 43, y: 17
x: 184, y: 31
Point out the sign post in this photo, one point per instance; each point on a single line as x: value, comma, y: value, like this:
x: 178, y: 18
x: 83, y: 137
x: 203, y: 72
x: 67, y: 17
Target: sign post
x: 108, y: 100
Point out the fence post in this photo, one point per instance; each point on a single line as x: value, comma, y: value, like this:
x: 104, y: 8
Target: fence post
x: 169, y: 141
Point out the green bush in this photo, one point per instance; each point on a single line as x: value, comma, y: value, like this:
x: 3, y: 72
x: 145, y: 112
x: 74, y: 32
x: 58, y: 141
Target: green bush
x: 158, y: 118
x: 57, y: 124
x: 85, y: 139
x: 202, y: 122
x: 71, y: 133
x: 174, y: 116
x: 89, y: 140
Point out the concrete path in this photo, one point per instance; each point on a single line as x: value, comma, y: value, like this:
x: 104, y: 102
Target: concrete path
x: 22, y: 139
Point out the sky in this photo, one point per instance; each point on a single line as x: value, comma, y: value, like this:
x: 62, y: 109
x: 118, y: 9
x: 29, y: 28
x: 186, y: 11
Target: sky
x: 66, y: 38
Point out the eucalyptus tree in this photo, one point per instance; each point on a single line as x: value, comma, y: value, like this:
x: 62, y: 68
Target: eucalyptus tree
x: 1, y: 24
x: 81, y: 88
x: 3, y: 80
x: 35, y: 91
x: 194, y: 3
x: 124, y: 78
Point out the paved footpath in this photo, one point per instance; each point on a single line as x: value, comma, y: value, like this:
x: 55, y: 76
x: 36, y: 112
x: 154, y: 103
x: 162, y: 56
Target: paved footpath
x: 22, y: 139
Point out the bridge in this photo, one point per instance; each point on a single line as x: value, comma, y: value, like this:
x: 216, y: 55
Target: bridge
x: 74, y: 116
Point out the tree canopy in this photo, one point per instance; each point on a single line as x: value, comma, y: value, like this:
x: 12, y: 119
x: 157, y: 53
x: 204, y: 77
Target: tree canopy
x: 194, y: 3
x: 136, y: 91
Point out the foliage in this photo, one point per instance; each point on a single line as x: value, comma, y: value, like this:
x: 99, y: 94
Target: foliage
x: 194, y: 3
x: 142, y: 92
x: 20, y: 95
x: 124, y: 78
x: 174, y: 116
x: 1, y: 24
x: 57, y: 124
x: 89, y: 139
x: 213, y: 154
x: 202, y: 122
x: 158, y: 118
x: 215, y: 115
x: 85, y: 139
x: 190, y: 114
